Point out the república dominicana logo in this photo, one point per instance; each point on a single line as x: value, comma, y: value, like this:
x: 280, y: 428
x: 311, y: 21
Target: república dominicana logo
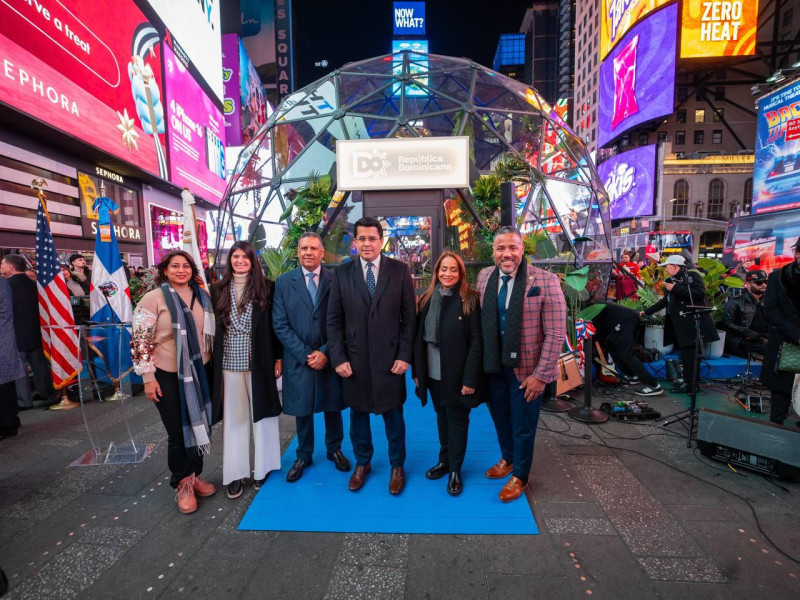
x: 370, y: 164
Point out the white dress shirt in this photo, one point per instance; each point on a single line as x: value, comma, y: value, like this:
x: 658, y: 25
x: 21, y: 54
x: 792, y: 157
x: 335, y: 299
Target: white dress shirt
x: 376, y: 265
x: 316, y: 272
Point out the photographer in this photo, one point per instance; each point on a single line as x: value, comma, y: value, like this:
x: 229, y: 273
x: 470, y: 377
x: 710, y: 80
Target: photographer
x: 745, y: 319
x: 684, y: 289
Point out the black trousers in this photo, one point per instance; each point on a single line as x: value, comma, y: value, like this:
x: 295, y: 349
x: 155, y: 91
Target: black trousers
x: 779, y: 406
x: 620, y: 346
x: 9, y: 421
x: 688, y: 358
x: 453, y: 425
x: 334, y: 434
x: 361, y: 436
x: 181, y: 463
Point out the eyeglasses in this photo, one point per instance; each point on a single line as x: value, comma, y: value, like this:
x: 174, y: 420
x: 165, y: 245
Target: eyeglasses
x: 361, y: 239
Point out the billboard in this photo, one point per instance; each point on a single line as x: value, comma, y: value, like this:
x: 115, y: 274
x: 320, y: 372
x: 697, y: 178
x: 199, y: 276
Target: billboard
x: 718, y: 28
x: 409, y: 18
x: 637, y: 80
x: 766, y: 241
x: 629, y: 179
x: 418, y: 64
x: 245, y: 103
x: 195, y: 133
x: 618, y: 16
x: 195, y: 26
x: 776, y: 173
x: 258, y: 34
x: 103, y: 85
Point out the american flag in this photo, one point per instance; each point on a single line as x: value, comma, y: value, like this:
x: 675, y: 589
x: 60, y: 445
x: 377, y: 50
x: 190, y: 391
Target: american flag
x: 59, y: 336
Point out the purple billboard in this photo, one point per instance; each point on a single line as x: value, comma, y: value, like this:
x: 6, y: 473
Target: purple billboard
x: 629, y: 179
x: 245, y: 103
x: 637, y: 79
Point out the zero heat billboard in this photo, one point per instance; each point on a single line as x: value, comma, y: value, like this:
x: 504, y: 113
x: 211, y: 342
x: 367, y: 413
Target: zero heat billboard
x: 776, y: 173
x: 64, y: 65
x: 718, y: 28
x: 195, y: 133
x: 629, y: 179
x: 618, y: 16
x: 637, y: 79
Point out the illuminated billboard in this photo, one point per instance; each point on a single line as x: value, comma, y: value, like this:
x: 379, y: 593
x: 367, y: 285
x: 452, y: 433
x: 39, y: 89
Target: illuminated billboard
x: 637, y: 79
x: 245, y: 103
x: 718, y: 28
x: 195, y: 133
x: 629, y: 179
x: 196, y: 27
x: 409, y: 18
x: 618, y: 16
x: 418, y: 64
x: 776, y: 173
x: 65, y: 66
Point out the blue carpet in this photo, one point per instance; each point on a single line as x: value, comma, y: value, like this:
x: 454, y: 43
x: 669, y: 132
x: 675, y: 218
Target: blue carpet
x: 725, y: 367
x: 320, y: 500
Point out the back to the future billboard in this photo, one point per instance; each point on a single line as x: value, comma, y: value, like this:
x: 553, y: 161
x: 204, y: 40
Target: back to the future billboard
x: 776, y: 173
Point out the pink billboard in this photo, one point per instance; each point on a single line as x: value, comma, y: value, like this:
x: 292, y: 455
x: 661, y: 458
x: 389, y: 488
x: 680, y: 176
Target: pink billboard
x: 195, y: 133
x: 63, y: 64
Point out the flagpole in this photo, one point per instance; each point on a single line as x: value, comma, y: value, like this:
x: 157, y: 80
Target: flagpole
x: 65, y: 403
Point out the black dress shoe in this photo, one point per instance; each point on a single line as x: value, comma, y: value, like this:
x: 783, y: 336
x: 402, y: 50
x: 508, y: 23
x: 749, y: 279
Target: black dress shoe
x: 340, y: 460
x: 438, y: 471
x: 681, y: 389
x: 235, y: 489
x: 454, y: 486
x: 259, y: 483
x: 296, y: 472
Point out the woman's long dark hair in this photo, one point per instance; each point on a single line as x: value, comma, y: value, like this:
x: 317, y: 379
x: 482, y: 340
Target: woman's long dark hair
x: 468, y: 296
x: 257, y: 290
x: 161, y: 267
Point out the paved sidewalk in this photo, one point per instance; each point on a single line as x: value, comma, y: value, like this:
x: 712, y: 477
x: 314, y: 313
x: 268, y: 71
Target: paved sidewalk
x: 614, y: 524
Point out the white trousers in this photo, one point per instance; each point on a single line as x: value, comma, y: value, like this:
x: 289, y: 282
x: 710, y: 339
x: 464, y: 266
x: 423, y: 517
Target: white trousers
x: 237, y: 418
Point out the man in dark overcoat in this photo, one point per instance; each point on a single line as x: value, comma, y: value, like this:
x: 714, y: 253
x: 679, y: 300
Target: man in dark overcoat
x: 10, y: 366
x: 371, y: 315
x: 310, y: 385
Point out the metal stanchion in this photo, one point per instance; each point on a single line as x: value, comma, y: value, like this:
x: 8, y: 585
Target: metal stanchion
x: 585, y: 413
x: 550, y: 400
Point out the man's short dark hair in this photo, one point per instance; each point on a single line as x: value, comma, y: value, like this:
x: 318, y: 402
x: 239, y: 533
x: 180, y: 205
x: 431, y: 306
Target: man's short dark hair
x: 506, y: 229
x: 311, y: 234
x: 368, y: 222
x: 17, y: 261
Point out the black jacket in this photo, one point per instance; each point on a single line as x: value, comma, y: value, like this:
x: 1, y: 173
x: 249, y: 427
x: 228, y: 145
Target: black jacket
x: 371, y: 333
x: 26, y: 312
x: 679, y: 325
x: 266, y: 349
x: 460, y: 352
x: 736, y: 319
x: 782, y: 302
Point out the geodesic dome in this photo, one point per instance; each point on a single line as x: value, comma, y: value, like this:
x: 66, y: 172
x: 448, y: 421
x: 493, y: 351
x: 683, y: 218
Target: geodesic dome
x: 412, y: 95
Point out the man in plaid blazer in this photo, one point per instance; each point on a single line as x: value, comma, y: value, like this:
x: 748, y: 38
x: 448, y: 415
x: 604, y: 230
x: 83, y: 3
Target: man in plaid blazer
x: 523, y: 320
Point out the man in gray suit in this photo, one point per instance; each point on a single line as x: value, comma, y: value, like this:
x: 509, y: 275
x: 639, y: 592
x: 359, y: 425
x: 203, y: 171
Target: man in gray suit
x: 310, y: 385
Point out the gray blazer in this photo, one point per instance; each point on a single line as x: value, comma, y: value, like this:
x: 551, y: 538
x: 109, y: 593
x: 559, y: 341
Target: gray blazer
x: 10, y: 364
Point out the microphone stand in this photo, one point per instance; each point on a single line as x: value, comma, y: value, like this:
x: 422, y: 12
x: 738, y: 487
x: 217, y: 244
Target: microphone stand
x: 699, y: 350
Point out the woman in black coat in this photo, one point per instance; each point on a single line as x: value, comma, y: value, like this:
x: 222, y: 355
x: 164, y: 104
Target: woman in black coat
x: 247, y: 363
x: 782, y: 303
x: 447, y: 361
x: 684, y: 288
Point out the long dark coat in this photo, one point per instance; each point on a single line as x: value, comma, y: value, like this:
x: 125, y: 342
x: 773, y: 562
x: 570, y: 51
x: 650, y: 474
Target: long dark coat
x: 10, y: 365
x: 266, y: 349
x: 679, y: 327
x: 460, y: 352
x: 371, y: 334
x: 782, y: 304
x: 26, y: 312
x: 302, y: 328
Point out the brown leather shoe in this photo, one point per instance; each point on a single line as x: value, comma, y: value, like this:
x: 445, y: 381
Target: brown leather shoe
x: 358, y: 476
x: 501, y: 470
x: 203, y: 488
x: 512, y: 490
x: 187, y: 503
x: 397, y: 481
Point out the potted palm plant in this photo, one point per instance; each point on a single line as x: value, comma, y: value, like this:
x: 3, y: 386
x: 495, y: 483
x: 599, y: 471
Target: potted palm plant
x: 718, y: 286
x: 650, y: 294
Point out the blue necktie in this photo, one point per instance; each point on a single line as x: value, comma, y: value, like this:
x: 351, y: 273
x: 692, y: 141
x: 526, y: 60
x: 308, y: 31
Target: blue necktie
x: 312, y: 288
x: 370, y: 280
x: 501, y: 304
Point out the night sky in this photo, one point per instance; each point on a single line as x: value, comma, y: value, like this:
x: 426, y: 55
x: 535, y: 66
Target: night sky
x: 342, y: 32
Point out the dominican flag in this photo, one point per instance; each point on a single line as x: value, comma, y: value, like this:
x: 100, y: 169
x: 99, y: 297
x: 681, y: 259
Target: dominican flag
x: 190, y: 244
x: 110, y: 296
x: 59, y: 336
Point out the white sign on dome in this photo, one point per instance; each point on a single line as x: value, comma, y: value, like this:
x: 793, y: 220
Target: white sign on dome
x: 402, y: 163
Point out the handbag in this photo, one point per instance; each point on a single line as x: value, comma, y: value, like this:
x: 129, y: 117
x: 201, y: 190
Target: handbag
x: 789, y: 357
x: 569, y: 375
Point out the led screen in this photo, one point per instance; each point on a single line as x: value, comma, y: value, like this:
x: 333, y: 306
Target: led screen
x: 776, y: 173
x: 245, y: 103
x: 63, y: 64
x: 196, y: 27
x: 618, y: 16
x: 195, y: 133
x: 629, y: 179
x: 409, y: 18
x: 418, y: 64
x: 637, y: 79
x: 720, y: 28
